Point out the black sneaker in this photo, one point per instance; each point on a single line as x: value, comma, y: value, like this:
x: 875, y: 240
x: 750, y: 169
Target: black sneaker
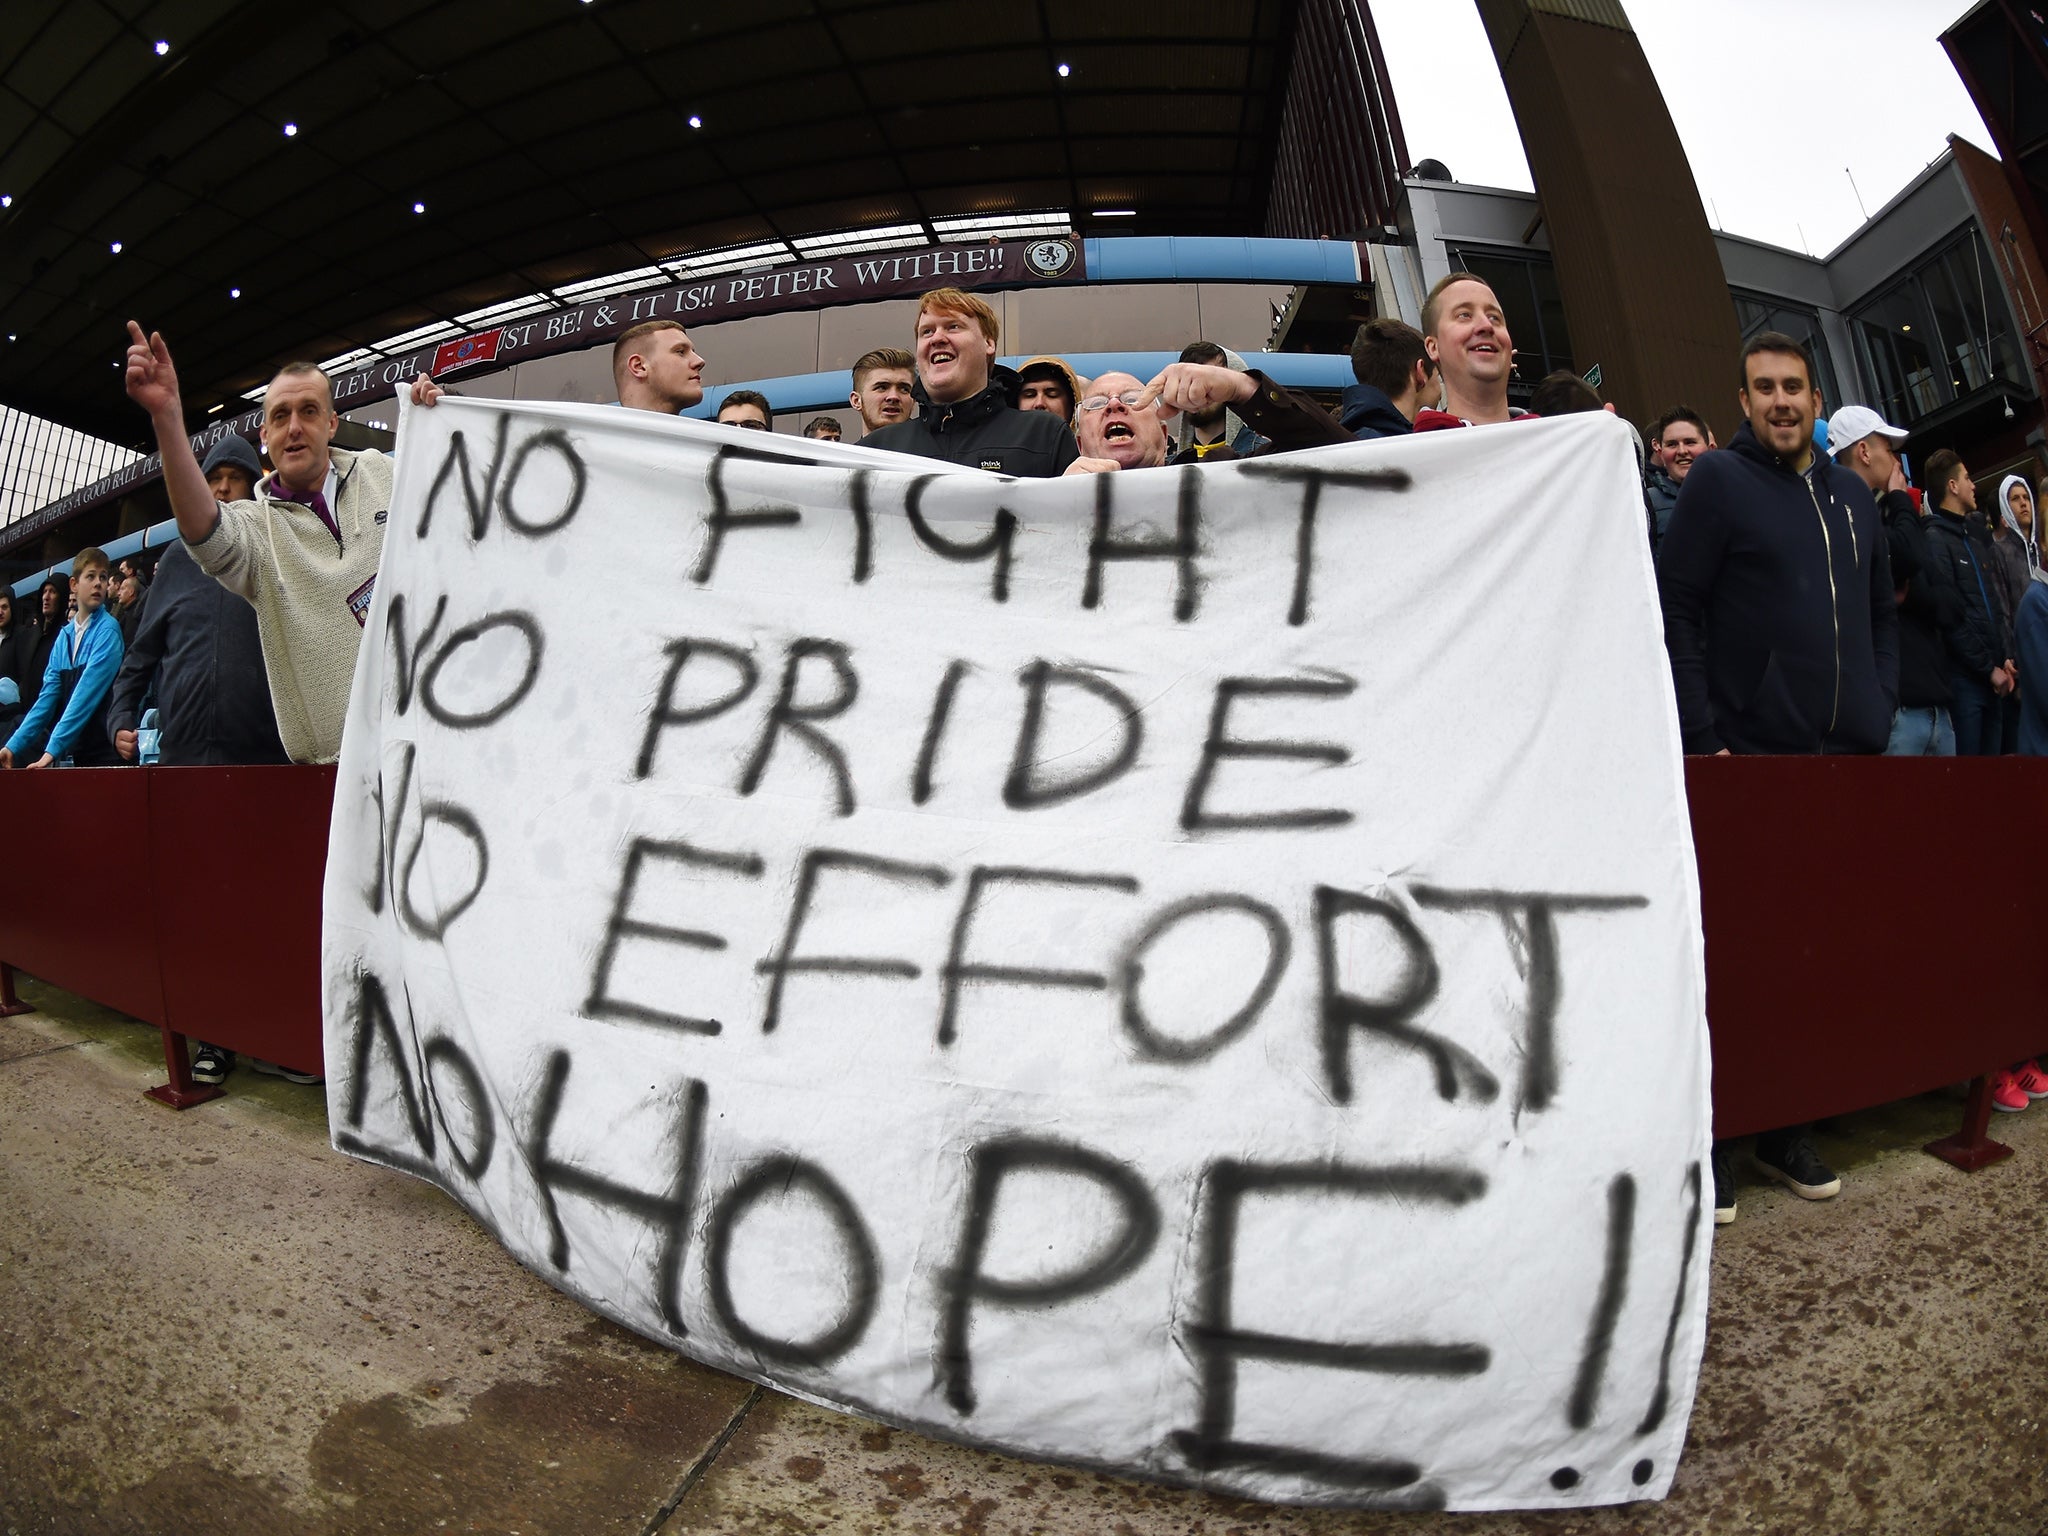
x: 210, y: 1064
x: 1724, y: 1186
x: 1794, y: 1164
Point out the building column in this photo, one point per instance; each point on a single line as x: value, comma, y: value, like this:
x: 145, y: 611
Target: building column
x: 1641, y: 279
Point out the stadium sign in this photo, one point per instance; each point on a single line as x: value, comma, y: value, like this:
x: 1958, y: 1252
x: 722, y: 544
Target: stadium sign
x: 702, y: 301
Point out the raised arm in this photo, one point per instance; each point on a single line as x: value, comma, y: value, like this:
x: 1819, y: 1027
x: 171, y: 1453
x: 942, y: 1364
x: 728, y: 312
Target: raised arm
x: 1285, y: 419
x: 153, y: 385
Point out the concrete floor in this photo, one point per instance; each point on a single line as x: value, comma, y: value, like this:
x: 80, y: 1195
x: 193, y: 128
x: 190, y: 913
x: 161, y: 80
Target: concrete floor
x: 214, y: 1323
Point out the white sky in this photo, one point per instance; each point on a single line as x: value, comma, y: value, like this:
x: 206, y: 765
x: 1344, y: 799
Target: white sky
x: 1870, y: 91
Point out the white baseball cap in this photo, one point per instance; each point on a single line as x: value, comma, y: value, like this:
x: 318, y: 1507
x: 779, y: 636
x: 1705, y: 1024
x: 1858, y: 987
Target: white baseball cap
x: 1853, y: 423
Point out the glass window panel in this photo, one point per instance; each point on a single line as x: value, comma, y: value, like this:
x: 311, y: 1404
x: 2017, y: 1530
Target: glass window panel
x: 1527, y: 289
x: 1996, y: 323
x: 1958, y: 325
x: 1887, y: 373
x: 1509, y: 279
x: 1915, y: 384
x: 1557, y: 336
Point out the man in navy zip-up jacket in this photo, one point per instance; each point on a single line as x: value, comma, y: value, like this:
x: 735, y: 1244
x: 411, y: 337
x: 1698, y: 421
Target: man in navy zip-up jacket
x: 1780, y: 618
x: 1779, y: 611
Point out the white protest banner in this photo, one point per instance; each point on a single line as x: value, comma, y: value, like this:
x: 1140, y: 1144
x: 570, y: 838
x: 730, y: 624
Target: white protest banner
x: 1193, y: 972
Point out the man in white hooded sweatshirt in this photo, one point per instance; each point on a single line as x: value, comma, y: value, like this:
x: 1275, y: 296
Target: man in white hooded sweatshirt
x: 303, y: 551
x: 2016, y: 554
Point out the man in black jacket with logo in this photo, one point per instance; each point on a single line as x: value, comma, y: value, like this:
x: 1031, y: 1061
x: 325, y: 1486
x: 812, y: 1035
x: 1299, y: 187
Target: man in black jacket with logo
x: 966, y: 400
x: 1862, y: 442
x: 1781, y: 622
x: 1979, y: 641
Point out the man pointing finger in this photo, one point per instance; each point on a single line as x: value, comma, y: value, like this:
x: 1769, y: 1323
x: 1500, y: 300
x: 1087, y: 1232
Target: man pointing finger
x: 1287, y: 420
x: 303, y: 550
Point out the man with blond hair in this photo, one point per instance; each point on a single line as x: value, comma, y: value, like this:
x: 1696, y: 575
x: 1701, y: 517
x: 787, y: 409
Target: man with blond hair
x: 884, y: 385
x: 968, y: 415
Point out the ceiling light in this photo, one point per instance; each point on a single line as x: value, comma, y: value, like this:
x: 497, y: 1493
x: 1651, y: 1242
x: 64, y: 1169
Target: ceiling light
x: 7, y: 201
x: 291, y: 130
x: 696, y: 121
x: 211, y: 409
x: 115, y: 247
x: 1905, y: 327
x: 234, y: 293
x: 1114, y: 213
x: 1065, y: 70
x: 10, y: 336
x: 162, y: 47
x: 419, y: 207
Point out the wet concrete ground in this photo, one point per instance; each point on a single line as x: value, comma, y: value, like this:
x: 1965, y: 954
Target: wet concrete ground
x: 214, y: 1323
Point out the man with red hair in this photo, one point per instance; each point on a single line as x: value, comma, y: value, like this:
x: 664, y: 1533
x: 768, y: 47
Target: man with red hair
x: 967, y: 414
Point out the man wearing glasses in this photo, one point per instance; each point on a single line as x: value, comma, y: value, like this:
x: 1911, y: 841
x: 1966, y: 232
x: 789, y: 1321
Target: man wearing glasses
x: 1116, y: 422
x: 1122, y: 422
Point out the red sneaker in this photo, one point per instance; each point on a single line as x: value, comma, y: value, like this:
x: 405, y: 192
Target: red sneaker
x: 2030, y: 1080
x: 2006, y: 1094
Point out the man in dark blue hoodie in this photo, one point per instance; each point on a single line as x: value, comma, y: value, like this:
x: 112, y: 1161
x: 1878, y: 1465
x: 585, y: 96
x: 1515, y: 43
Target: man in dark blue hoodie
x: 1781, y: 621
x: 1395, y: 373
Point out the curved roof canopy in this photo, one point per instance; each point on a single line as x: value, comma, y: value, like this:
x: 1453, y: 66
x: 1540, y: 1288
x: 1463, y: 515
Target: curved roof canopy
x: 286, y: 153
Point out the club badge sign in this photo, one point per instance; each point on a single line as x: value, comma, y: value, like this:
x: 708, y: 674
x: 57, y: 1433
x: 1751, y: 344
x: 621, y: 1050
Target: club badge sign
x: 1192, y: 972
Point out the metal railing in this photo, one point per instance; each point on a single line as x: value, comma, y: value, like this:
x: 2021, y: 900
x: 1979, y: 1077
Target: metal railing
x: 41, y: 461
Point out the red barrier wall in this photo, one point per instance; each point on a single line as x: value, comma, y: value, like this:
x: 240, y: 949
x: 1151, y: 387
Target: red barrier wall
x: 1876, y: 927
x: 77, y: 908
x: 202, y: 913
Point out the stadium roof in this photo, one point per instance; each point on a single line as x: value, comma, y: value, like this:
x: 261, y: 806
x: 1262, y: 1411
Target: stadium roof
x: 366, y: 168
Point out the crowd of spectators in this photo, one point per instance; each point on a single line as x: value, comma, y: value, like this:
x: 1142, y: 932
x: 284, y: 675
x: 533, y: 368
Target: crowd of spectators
x: 1815, y: 598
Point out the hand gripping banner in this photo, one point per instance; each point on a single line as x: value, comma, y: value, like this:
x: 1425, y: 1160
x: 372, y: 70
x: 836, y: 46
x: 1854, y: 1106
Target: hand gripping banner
x: 1191, y: 972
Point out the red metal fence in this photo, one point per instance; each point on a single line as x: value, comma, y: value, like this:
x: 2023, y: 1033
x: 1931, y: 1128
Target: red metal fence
x: 1876, y: 927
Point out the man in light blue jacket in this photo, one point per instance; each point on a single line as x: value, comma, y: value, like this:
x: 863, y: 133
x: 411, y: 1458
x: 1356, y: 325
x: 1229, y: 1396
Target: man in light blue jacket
x: 81, y: 669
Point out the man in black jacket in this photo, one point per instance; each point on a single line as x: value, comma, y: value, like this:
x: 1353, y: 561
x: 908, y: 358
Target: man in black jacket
x: 197, y: 643
x: 1780, y: 619
x: 1680, y: 436
x: 1862, y: 442
x: 966, y: 400
x: 53, y: 601
x: 1395, y: 373
x: 1979, y: 643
